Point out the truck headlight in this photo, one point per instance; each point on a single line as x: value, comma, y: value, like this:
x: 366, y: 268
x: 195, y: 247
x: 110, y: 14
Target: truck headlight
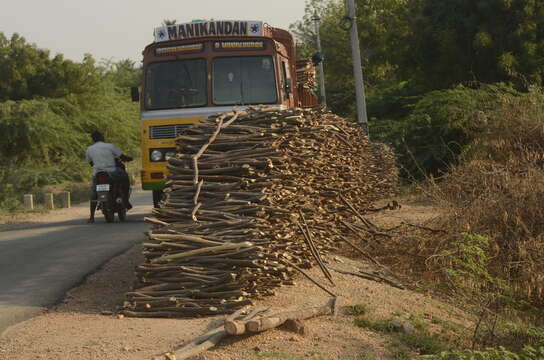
x: 156, y: 155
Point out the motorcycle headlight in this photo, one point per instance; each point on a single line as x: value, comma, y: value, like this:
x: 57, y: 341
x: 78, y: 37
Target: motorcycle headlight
x: 168, y: 155
x: 156, y: 155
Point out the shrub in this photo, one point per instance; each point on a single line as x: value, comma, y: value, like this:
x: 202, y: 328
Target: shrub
x: 423, y: 342
x: 528, y: 353
x: 380, y: 325
x: 442, y: 124
x: 357, y: 309
x: 498, y: 191
x: 44, y: 141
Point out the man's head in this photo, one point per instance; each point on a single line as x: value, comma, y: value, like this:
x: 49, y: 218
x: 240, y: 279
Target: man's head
x: 97, y: 136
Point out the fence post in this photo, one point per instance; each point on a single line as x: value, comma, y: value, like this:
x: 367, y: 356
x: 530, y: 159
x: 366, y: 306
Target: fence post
x: 65, y: 199
x: 48, y: 199
x: 28, y: 200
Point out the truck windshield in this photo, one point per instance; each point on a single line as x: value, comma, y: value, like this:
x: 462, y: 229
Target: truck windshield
x: 244, y: 80
x: 176, y: 84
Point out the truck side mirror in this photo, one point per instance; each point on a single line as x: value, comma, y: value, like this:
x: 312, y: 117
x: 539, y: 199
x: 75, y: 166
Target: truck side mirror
x: 288, y: 86
x: 317, y: 58
x: 135, y: 94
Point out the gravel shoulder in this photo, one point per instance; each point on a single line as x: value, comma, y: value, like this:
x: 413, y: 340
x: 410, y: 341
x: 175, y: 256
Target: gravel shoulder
x: 77, y: 329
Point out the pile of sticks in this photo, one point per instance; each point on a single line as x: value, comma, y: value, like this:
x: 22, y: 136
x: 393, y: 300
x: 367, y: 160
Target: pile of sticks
x: 253, y: 197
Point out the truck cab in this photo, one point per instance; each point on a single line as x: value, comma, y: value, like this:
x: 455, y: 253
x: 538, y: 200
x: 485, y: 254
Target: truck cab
x: 193, y: 70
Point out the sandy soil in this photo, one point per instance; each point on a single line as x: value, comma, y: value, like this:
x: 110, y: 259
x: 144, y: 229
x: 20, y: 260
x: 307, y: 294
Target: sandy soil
x: 84, y: 325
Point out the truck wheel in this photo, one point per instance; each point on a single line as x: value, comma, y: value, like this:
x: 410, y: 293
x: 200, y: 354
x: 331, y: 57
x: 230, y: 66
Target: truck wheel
x: 157, y: 197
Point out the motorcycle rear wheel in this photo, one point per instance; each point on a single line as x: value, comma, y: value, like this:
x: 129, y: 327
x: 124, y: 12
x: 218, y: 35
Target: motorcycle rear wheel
x: 122, y: 214
x: 109, y: 215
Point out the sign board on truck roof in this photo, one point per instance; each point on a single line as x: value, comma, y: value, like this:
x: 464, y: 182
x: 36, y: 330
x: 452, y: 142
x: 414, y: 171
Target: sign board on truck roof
x: 200, y: 29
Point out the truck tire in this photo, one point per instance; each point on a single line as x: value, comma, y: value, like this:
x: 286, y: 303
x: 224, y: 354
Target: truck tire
x: 157, y: 197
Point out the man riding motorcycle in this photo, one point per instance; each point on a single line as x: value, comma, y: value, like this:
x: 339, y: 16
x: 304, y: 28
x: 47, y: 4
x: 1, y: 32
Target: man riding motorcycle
x: 103, y: 156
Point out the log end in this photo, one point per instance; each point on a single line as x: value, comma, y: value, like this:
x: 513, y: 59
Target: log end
x: 253, y: 326
x: 235, y: 327
x: 263, y: 324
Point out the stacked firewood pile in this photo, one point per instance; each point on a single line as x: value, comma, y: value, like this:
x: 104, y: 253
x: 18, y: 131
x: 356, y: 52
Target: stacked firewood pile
x: 306, y: 76
x: 253, y: 197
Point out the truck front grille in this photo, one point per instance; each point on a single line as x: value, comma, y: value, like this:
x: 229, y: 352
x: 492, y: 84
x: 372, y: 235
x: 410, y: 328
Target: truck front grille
x: 167, y: 131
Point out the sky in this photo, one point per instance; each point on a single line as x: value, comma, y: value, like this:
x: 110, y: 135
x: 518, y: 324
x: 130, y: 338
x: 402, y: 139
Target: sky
x: 120, y: 29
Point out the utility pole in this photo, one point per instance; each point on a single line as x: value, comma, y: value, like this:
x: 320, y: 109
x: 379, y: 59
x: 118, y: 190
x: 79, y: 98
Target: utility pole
x: 316, y: 19
x: 362, y: 117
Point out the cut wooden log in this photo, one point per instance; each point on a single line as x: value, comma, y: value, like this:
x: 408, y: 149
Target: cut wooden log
x: 209, y: 339
x: 272, y: 321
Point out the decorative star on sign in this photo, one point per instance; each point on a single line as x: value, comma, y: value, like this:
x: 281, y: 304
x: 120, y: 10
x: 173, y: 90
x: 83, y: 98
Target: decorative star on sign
x: 255, y: 28
x: 161, y: 34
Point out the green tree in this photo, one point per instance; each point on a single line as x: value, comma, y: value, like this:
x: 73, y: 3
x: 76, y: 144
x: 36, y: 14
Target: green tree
x: 27, y: 72
x: 488, y: 41
x: 124, y: 73
x: 415, y: 54
x: 382, y: 27
x: 426, y: 45
x: 48, y: 107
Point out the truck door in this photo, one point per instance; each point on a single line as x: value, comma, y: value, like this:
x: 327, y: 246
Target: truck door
x: 286, y: 82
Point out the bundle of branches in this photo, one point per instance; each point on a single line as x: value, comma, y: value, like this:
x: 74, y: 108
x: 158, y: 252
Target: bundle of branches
x: 253, y: 196
x: 305, y: 74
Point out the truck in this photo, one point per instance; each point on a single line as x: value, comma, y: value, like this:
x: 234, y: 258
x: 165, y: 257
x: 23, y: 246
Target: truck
x: 201, y: 68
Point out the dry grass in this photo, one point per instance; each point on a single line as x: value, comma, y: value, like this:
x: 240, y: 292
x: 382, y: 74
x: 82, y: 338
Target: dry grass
x: 498, y: 192
x: 492, y: 213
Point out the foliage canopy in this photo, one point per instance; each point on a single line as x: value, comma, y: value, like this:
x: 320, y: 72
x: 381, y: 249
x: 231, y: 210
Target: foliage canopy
x: 48, y: 107
x: 424, y: 61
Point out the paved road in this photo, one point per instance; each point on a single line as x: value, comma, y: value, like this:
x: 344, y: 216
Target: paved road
x: 40, y: 261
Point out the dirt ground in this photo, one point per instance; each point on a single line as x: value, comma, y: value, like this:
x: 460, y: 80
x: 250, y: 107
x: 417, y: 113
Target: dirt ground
x: 23, y: 220
x: 84, y: 325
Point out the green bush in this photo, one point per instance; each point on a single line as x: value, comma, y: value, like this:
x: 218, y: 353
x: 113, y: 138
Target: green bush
x: 424, y: 343
x: 380, y: 325
x: 442, y: 124
x: 431, y: 132
x: 528, y: 353
x: 44, y: 140
x: 357, y: 309
x: 467, y: 262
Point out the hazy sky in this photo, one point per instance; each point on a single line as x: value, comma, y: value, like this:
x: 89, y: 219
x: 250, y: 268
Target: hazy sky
x: 120, y: 29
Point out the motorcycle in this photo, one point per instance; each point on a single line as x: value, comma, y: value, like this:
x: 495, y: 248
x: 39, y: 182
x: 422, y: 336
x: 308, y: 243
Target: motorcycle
x: 110, y: 197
